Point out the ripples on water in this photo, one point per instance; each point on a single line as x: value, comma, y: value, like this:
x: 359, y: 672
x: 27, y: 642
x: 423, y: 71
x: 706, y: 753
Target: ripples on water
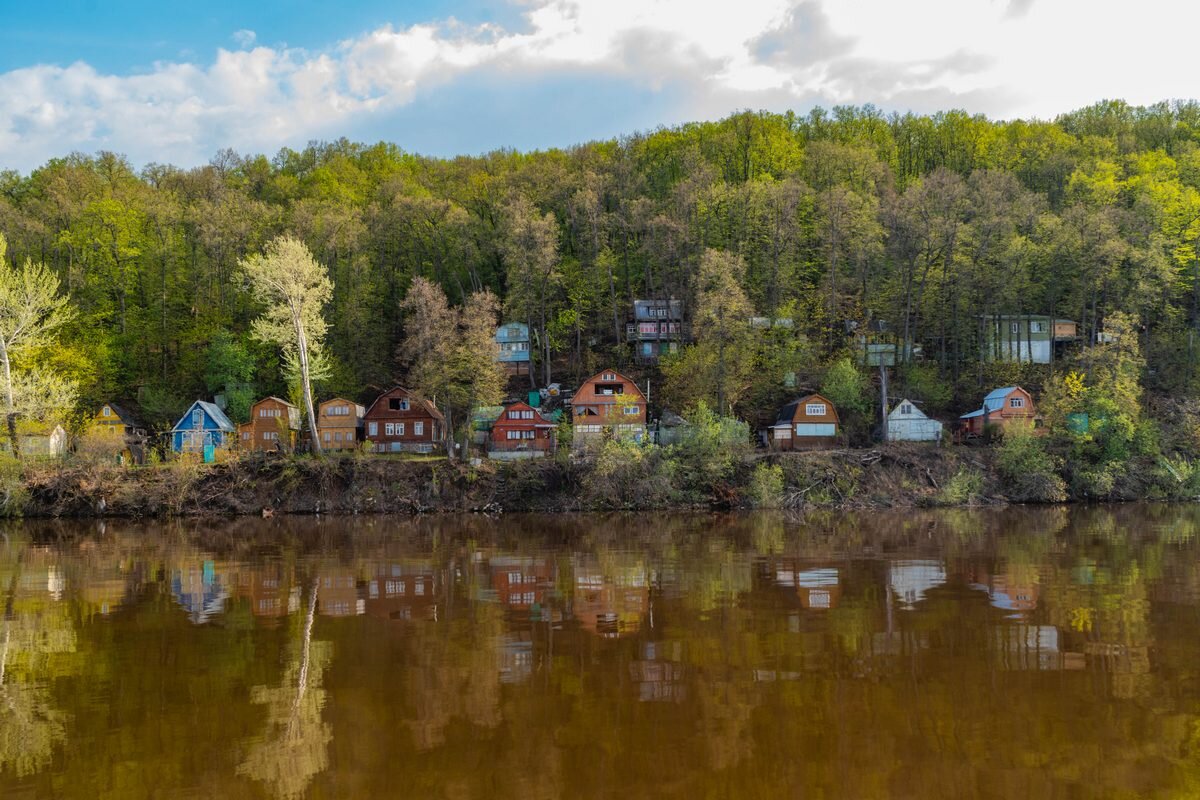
x: 1019, y: 653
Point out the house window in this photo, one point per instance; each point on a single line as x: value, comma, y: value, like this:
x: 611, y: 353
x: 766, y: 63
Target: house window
x: 246, y: 435
x: 648, y: 327
x: 609, y: 376
x: 418, y: 428
x: 327, y: 436
x: 399, y: 428
x: 1037, y: 327
x: 389, y: 429
x: 814, y: 410
x: 398, y: 404
x: 906, y: 409
x: 372, y: 428
x: 632, y: 411
x: 197, y: 419
x: 107, y: 411
x: 1016, y: 402
x: 1014, y: 327
x: 337, y: 436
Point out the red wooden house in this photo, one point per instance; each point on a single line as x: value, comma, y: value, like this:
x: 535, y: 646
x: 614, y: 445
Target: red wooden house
x: 521, y: 432
x: 608, y: 403
x: 810, y: 422
x: 401, y: 422
x: 1010, y: 405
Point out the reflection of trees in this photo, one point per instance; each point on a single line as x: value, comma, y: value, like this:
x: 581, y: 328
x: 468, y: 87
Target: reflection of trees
x: 37, y: 632
x: 293, y: 748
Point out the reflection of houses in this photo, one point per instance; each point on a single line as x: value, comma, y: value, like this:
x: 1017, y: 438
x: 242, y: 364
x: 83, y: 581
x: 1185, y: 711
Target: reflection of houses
x: 808, y: 422
x: 1033, y: 647
x: 815, y: 587
x: 657, y: 328
x: 338, y: 594
x: 658, y: 674
x: 521, y: 582
x: 199, y: 590
x: 402, y: 590
x: 611, y: 605
x: 909, y: 580
x: 268, y: 591
x: 1025, y: 337
x: 516, y: 658
x: 512, y: 341
x: 1007, y: 594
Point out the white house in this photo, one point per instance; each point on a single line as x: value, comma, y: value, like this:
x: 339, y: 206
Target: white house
x: 907, y: 423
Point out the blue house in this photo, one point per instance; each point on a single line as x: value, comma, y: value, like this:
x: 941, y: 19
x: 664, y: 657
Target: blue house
x: 513, y: 340
x: 202, y: 425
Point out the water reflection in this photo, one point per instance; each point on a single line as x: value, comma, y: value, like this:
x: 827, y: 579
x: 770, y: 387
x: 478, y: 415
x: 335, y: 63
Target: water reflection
x: 1036, y: 653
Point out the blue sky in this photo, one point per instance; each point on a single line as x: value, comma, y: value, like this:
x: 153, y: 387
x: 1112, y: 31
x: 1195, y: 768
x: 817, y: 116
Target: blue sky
x: 167, y: 82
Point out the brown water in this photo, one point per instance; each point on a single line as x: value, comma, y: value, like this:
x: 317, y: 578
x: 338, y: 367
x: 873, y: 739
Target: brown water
x: 1013, y: 654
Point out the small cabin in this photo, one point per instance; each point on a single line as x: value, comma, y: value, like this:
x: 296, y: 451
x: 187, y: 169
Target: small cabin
x: 273, y: 426
x: 1007, y: 406
x: 810, y: 422
x: 521, y: 432
x: 1027, y: 338
x: 114, y: 431
x: 512, y: 341
x: 202, y: 425
x: 608, y: 403
x: 907, y: 423
x: 399, y: 421
x: 340, y: 422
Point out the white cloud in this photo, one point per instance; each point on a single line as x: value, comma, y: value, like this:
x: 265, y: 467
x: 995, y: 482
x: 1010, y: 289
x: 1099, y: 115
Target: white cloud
x: 244, y: 38
x: 1003, y: 57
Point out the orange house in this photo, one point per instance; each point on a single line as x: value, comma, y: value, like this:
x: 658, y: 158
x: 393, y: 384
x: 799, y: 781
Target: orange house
x: 809, y: 422
x: 272, y: 428
x: 1010, y: 405
x: 340, y: 423
x: 608, y: 403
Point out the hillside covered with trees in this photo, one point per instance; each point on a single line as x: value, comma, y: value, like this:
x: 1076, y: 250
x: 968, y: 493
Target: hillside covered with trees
x: 925, y: 223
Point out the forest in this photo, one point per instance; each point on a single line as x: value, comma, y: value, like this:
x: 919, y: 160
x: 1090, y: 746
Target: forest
x: 835, y: 219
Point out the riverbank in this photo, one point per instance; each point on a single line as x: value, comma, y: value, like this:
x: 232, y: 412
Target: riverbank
x: 896, y: 476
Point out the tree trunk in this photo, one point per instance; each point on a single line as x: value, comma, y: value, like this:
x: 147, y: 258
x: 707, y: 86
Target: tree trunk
x: 307, y: 388
x: 9, y: 404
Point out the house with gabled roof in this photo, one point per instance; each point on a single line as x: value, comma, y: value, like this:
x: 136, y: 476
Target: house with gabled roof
x: 520, y: 431
x: 201, y: 425
x: 608, y: 404
x: 907, y: 423
x: 1006, y: 406
x: 115, y: 431
x: 400, y: 421
x: 810, y: 422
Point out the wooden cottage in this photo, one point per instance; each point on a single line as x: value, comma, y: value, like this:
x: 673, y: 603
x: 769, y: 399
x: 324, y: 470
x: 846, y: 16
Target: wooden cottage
x: 114, y: 431
x: 340, y: 423
x: 521, y: 432
x: 907, y: 423
x: 401, y: 422
x: 273, y: 426
x: 512, y: 341
x: 203, y: 425
x: 810, y: 422
x: 1007, y: 406
x: 1028, y: 338
x: 38, y: 439
x: 608, y: 404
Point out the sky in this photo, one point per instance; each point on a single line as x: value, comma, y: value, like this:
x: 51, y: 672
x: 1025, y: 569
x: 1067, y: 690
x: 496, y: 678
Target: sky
x: 174, y: 83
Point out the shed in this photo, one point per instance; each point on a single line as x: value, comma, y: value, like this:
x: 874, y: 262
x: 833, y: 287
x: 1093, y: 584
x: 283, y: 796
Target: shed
x: 907, y: 423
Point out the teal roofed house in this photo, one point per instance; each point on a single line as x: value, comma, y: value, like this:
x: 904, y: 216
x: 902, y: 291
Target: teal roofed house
x: 513, y: 340
x: 203, y: 424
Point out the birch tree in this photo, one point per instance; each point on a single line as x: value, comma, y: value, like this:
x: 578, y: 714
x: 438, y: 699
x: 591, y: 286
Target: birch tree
x: 31, y: 312
x: 294, y: 288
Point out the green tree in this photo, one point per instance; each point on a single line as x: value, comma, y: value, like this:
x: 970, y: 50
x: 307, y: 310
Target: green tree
x: 294, y: 288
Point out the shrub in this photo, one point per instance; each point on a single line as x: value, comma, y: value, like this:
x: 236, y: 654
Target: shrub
x: 766, y: 486
x: 1030, y: 474
x: 962, y: 489
x: 710, y: 448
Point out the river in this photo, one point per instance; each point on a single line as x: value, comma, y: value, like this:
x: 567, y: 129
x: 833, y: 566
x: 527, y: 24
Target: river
x: 1030, y: 653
